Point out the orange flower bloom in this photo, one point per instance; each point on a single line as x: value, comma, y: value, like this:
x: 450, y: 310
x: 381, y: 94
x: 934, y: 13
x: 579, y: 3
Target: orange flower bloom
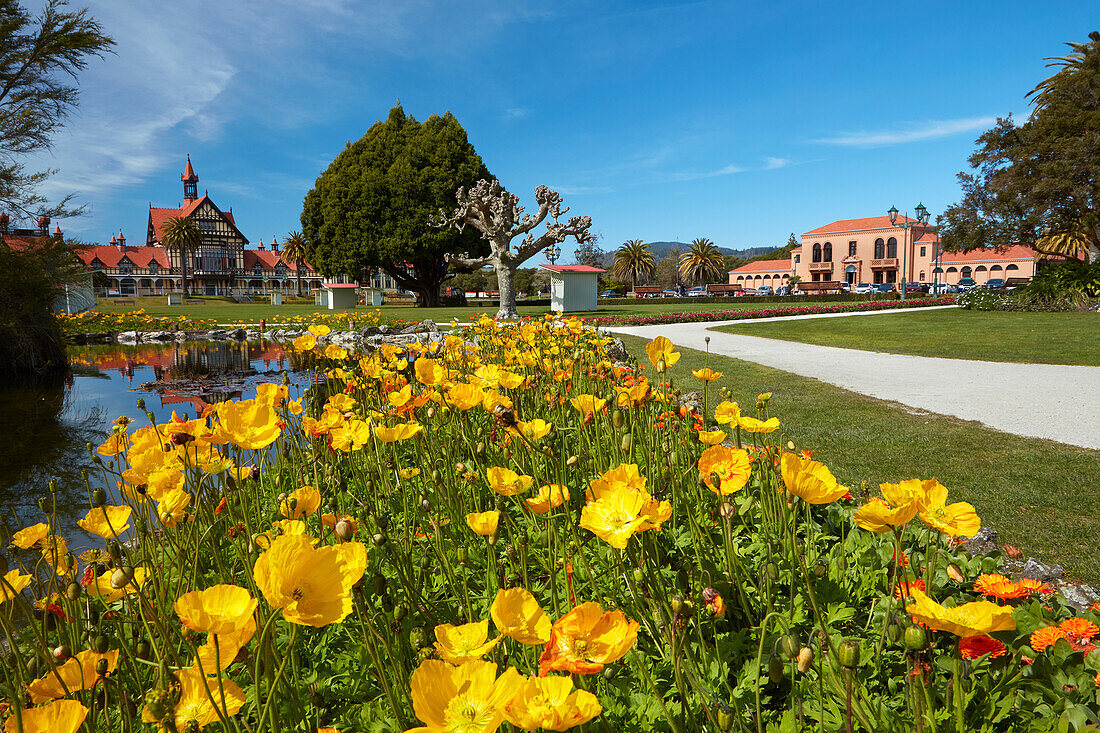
x: 1033, y: 586
x: 1044, y: 637
x: 585, y: 639
x: 903, y: 590
x: 972, y: 647
x: 998, y: 586
x: 1079, y: 627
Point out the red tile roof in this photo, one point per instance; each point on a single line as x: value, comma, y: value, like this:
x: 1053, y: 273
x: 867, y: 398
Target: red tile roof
x: 189, y: 173
x: 572, y: 268
x: 158, y: 216
x: 926, y: 238
x: 268, y: 259
x: 1014, y: 252
x: 855, y: 225
x: 765, y: 266
x: 111, y: 255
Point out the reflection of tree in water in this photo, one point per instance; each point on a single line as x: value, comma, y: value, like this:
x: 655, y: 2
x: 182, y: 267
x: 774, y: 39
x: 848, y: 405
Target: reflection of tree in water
x: 44, y: 439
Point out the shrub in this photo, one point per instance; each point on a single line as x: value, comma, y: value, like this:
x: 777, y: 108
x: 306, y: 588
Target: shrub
x: 30, y: 338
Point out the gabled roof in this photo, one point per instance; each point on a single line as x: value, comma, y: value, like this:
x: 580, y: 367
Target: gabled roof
x: 158, y: 216
x: 926, y: 238
x: 572, y: 268
x: 110, y: 255
x: 267, y: 260
x: 764, y: 266
x: 855, y: 225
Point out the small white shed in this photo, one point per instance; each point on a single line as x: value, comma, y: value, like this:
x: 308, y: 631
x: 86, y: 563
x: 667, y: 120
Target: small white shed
x: 339, y: 296
x: 573, y: 287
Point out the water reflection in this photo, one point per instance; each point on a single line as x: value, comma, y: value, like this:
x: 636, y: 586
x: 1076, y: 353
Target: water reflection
x: 48, y: 424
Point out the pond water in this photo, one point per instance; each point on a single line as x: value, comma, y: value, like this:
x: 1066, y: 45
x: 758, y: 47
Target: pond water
x: 47, y: 424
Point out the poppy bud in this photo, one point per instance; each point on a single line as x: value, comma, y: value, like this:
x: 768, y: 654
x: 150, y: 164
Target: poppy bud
x: 775, y: 670
x: 32, y: 666
x: 344, y: 530
x: 772, y: 571
x: 72, y: 591
x: 894, y: 633
x: 788, y: 646
x: 426, y: 505
x: 725, y: 719
x: 726, y: 510
x: 460, y: 467
x: 627, y: 443
x: 62, y: 653
x: 400, y: 611
x: 916, y: 638
x: 572, y: 461
x: 254, y: 474
x: 140, y: 403
x: 100, y: 644
x: 44, y: 505
x: 676, y: 603
x: 99, y: 498
x: 52, y: 486
x: 805, y: 659
x: 378, y: 539
x: 955, y: 573
x: 618, y: 419
x: 143, y: 649
x: 122, y: 577
x: 378, y: 584
x: 849, y: 653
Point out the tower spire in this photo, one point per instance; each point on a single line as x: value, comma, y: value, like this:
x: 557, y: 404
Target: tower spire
x: 190, y: 182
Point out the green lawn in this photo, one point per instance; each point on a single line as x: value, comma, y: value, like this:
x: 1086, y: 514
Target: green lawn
x: 1036, y: 493
x: 224, y: 310
x: 1043, y: 338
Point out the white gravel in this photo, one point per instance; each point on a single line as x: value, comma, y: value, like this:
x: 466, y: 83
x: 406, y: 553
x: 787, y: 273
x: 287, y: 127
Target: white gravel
x: 1054, y: 402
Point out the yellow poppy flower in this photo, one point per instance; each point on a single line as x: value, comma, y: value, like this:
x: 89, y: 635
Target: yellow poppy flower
x: 753, y: 425
x: 108, y: 521
x: 102, y: 589
x: 116, y: 443
x: 248, y: 423
x: 312, y: 586
x: 587, y: 638
x: 197, y: 705
x: 60, y: 716
x: 551, y: 703
x: 404, y: 431
x: 429, y: 371
x: 13, y: 584
x: 458, y: 644
x: 305, y: 342
x: 624, y: 475
x: 732, y: 466
x: 294, y: 407
x: 978, y: 618
x: 78, y: 673
x: 465, y: 396
x: 957, y: 520
x: 302, y: 502
x: 810, y: 480
x: 220, y: 609
x: 660, y: 350
x: 507, y: 482
x: 586, y: 403
x: 341, y: 402
x: 706, y: 374
x: 400, y: 397
x: 320, y: 330
x: 634, y: 395
x: 517, y: 614
x: 510, y: 380
x: 221, y: 650
x: 615, y: 517
x: 534, y: 429
x: 467, y: 698
x: 726, y: 412
x: 408, y: 473
x: 272, y: 394
x: 909, y: 491
x: 549, y: 497
x: 335, y: 352
x: 352, y: 435
x: 878, y: 516
x: 483, y: 523
x: 711, y: 437
x: 492, y: 398
x: 172, y: 506
x: 28, y: 537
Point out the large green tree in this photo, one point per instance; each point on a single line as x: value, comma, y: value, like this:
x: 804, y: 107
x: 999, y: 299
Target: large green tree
x: 182, y: 234
x: 634, y: 261
x: 1039, y: 182
x: 370, y: 209
x: 40, y: 56
x: 294, y: 250
x: 702, y: 261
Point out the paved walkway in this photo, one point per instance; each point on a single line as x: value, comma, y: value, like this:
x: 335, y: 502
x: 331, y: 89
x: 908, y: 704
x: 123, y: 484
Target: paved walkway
x: 1050, y: 401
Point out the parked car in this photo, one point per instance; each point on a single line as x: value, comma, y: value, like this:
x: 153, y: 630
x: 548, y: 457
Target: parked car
x: 942, y: 288
x: 697, y: 291
x: 885, y: 288
x: 967, y: 283
x: 996, y: 283
x: 863, y: 288
x: 609, y: 294
x: 765, y: 290
x: 783, y: 290
x: 911, y: 288
x: 670, y: 293
x: 748, y: 291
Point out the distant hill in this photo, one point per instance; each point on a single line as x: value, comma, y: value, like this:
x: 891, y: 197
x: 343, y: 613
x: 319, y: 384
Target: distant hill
x: 661, y: 249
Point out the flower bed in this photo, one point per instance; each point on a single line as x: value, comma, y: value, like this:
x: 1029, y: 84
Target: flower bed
x: 137, y: 320
x: 504, y: 525
x: 800, y: 310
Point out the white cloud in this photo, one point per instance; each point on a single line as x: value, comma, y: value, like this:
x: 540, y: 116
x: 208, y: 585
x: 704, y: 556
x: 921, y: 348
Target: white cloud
x: 913, y: 133
x: 515, y: 113
x: 695, y: 176
x: 770, y: 163
x: 581, y: 190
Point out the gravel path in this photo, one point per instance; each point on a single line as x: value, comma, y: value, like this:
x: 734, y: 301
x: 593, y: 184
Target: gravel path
x: 1049, y: 401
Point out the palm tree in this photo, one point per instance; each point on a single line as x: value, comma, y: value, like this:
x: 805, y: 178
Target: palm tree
x: 181, y: 233
x: 633, y: 261
x: 294, y: 249
x: 702, y: 261
x: 1071, y: 245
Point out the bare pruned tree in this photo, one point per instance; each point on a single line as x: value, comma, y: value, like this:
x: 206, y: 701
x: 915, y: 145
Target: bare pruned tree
x: 497, y: 215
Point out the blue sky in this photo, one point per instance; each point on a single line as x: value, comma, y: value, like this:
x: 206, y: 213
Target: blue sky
x: 741, y: 121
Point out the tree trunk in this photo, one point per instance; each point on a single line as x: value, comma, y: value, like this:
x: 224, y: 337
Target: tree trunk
x: 506, y: 284
x: 183, y: 275
x: 299, y: 272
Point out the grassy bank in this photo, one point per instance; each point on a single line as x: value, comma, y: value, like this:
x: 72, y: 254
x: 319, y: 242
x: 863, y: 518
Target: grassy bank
x: 1042, y: 338
x: 1029, y: 490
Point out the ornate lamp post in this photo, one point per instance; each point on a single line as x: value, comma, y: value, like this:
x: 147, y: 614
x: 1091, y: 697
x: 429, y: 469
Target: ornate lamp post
x: 553, y: 252
x: 922, y: 217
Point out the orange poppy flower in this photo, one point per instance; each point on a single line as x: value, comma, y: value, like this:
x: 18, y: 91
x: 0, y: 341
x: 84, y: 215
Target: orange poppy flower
x: 585, y: 639
x: 972, y: 647
x: 998, y: 586
x: 1033, y: 586
x: 1044, y: 637
x: 1079, y: 627
x: 905, y: 586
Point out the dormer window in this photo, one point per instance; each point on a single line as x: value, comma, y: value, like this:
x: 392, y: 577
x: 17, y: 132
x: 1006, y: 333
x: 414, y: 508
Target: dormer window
x: 280, y: 270
x: 126, y: 267
x: 153, y: 267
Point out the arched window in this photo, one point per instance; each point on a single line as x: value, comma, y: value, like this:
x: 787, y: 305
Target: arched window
x: 938, y: 271
x: 880, y: 249
x: 817, y: 252
x: 740, y: 277
x: 967, y: 272
x: 995, y: 268
x: 979, y: 268
x: 952, y: 269
x: 891, y: 248
x: 827, y: 252
x: 1011, y: 268
x: 922, y: 275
